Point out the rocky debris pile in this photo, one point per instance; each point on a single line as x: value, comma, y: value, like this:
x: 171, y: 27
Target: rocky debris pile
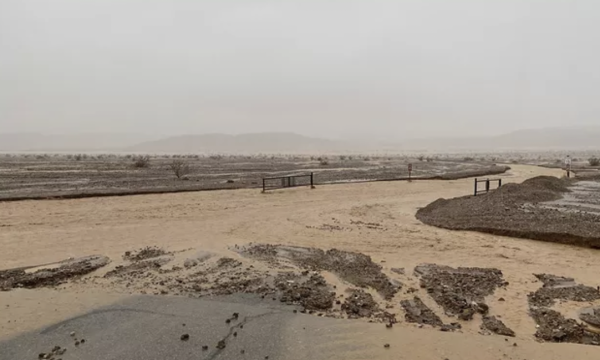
x: 312, y: 293
x: 417, y: 312
x: 360, y: 304
x: 355, y: 268
x: 148, y: 252
x: 496, y: 326
x: 138, y: 269
x: 51, y: 276
x: 560, y: 288
x: 460, y: 291
x: 552, y: 326
x: 517, y: 210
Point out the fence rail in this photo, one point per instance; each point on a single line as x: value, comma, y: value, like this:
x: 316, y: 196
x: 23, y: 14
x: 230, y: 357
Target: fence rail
x: 487, y: 185
x: 282, y: 182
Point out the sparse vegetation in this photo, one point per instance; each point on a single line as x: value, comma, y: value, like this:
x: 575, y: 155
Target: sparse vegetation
x: 420, y: 157
x: 594, y: 161
x: 323, y: 161
x: 468, y: 158
x: 141, y: 162
x: 180, y: 168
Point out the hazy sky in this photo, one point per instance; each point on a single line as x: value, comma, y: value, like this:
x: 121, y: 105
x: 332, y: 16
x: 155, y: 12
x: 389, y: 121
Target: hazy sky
x: 387, y: 69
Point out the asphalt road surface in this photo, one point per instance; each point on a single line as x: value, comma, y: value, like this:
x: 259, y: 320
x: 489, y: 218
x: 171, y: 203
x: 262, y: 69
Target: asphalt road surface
x: 148, y: 327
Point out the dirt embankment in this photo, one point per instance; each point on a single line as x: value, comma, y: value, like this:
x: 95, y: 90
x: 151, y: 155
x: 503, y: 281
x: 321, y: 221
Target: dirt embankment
x: 517, y: 210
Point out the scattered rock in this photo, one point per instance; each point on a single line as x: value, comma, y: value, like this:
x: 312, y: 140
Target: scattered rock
x: 185, y: 337
x: 221, y: 345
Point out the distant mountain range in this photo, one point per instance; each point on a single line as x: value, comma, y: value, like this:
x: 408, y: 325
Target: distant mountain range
x: 587, y: 138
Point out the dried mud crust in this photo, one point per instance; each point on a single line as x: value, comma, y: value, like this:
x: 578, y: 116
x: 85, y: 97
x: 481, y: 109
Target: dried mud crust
x: 48, y: 277
x: 148, y: 252
x: 515, y: 210
x: 560, y: 288
x: 356, y: 268
x: 460, y: 291
x: 496, y: 326
x: 553, y: 327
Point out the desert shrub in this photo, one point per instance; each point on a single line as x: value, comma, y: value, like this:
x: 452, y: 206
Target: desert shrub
x: 421, y: 158
x: 323, y: 161
x: 180, y: 168
x: 343, y: 157
x: 141, y: 162
x: 468, y: 158
x: 594, y: 161
x: 366, y: 158
x: 78, y: 157
x: 429, y: 159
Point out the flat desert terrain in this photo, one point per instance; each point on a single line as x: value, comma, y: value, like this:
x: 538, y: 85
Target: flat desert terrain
x: 375, y: 219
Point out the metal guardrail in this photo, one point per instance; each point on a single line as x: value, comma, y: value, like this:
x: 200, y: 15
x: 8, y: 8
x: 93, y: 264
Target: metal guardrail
x: 282, y: 182
x: 487, y: 185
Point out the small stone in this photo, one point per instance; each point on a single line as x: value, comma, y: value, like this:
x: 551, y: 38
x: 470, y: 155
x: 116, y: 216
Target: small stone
x: 387, y: 346
x: 221, y: 345
x: 185, y: 337
x: 72, y: 334
x: 501, y: 299
x: 236, y: 316
x: 41, y: 356
x: 228, y: 321
x: 204, y: 347
x: 243, y: 352
x: 83, y: 341
x: 235, y: 334
x: 295, y: 311
x: 241, y: 326
x: 515, y: 344
x: 76, y: 343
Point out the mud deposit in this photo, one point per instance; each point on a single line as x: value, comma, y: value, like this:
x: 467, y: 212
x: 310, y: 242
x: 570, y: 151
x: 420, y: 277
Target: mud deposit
x: 520, y: 210
x: 313, y: 293
x: 417, y: 312
x: 553, y: 327
x: 561, y: 288
x: 460, y: 291
x: 355, y: 268
x: 591, y: 316
x: 50, y: 276
x: 360, y: 304
x: 496, y: 326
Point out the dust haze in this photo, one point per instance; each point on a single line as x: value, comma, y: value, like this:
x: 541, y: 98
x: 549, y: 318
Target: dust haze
x: 377, y: 71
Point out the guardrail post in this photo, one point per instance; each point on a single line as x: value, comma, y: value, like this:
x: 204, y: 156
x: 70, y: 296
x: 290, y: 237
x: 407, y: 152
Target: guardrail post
x: 475, y: 194
x: 264, y: 189
x: 499, y: 183
x: 312, y: 180
x: 487, y: 185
